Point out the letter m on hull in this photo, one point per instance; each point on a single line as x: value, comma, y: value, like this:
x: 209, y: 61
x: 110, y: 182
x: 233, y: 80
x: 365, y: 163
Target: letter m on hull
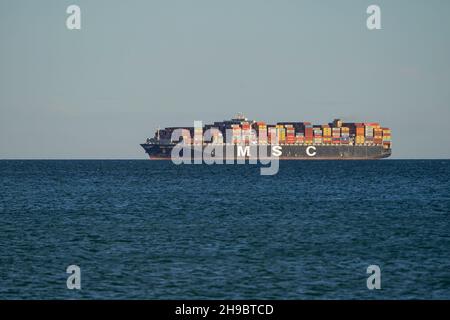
x: 243, y: 152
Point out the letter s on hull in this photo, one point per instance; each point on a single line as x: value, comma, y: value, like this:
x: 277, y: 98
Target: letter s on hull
x: 311, y: 153
x: 276, y: 151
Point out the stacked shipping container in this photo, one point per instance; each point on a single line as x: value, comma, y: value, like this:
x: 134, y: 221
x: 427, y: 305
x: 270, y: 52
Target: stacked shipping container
x: 248, y: 132
x: 300, y: 137
x: 236, y: 134
x: 327, y: 139
x: 272, y: 132
x: 377, y: 135
x: 360, y: 133
x: 336, y: 135
x: 386, y: 137
x: 345, y: 135
x: 308, y: 132
x: 281, y: 131
x: 290, y: 134
x: 261, y: 130
x: 317, y: 135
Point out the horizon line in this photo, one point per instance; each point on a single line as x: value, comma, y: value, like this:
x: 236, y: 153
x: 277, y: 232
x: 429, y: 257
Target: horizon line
x: 146, y: 159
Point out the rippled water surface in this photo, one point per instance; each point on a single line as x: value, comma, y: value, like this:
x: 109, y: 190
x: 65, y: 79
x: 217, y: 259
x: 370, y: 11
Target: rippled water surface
x: 150, y: 230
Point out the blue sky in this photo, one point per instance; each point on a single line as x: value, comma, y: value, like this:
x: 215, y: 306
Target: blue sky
x: 136, y: 65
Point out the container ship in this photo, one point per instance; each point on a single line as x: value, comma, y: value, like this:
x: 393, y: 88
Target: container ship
x: 241, y: 138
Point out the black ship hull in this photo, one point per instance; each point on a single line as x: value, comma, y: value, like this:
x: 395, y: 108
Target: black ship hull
x: 283, y: 152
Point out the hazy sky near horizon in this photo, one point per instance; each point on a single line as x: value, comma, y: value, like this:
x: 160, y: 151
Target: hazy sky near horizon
x: 135, y: 65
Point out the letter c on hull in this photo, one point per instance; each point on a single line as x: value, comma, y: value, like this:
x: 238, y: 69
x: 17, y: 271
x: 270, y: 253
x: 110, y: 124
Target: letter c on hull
x: 311, y: 153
